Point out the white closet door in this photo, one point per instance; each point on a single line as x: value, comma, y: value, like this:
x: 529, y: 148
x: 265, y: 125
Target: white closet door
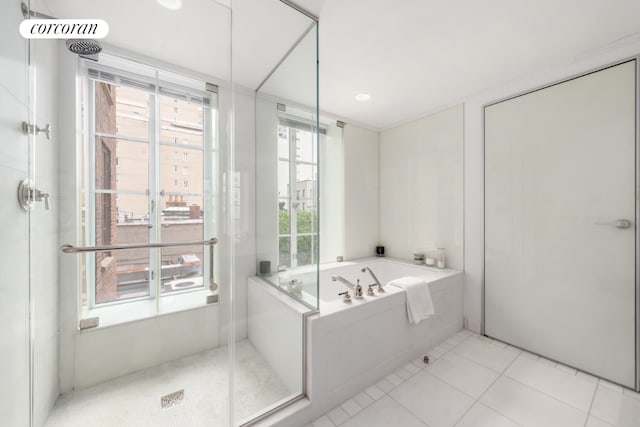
x: 559, y: 264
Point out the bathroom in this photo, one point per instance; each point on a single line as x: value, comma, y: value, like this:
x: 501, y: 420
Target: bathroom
x: 161, y: 269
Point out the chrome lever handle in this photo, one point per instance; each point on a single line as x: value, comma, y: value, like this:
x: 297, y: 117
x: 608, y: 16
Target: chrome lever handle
x: 43, y: 197
x: 618, y: 223
x: 46, y: 130
x: 345, y: 296
x: 370, y: 290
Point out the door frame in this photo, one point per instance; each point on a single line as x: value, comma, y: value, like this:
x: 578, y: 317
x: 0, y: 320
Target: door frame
x: 636, y: 61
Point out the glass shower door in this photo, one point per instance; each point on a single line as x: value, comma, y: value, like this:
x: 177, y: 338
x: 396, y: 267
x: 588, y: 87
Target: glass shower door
x: 560, y: 222
x: 15, y: 346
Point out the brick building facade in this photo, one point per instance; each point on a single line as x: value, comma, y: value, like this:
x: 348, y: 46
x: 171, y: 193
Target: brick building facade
x: 106, y: 207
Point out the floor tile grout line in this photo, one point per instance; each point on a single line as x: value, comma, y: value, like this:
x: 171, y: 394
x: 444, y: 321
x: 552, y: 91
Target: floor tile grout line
x: 409, y: 410
x: 546, y: 394
x: 503, y: 373
x: 467, y: 337
x: 477, y: 401
x: 486, y: 367
x: 604, y: 421
x: 439, y: 379
x: 593, y: 398
x: 422, y: 370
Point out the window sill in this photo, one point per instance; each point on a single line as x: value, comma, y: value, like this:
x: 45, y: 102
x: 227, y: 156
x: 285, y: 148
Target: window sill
x: 143, y: 309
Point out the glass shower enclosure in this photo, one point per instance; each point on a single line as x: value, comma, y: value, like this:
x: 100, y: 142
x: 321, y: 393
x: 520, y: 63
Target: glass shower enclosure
x: 129, y: 228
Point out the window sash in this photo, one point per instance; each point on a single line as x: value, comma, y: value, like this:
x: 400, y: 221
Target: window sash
x: 292, y: 197
x: 100, y: 73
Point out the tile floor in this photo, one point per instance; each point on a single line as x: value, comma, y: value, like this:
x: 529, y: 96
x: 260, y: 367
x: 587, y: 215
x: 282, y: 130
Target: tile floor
x: 134, y: 400
x: 474, y: 381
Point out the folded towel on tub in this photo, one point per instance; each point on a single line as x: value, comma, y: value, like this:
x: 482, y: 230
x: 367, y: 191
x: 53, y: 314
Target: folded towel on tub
x: 419, y: 303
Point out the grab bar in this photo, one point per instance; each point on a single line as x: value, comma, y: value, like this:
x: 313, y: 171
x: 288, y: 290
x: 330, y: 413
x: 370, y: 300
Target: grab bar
x: 70, y: 249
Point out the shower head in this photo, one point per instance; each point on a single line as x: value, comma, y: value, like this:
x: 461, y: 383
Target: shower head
x: 84, y: 46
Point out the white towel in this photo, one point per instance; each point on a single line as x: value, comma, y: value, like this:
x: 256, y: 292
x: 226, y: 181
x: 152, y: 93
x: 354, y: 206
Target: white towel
x: 419, y: 303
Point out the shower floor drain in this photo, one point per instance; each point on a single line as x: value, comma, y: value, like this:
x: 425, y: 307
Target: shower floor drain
x: 172, y: 399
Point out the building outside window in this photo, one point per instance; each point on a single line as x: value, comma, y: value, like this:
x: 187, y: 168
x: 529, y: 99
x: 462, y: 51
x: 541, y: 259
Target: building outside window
x: 140, y: 203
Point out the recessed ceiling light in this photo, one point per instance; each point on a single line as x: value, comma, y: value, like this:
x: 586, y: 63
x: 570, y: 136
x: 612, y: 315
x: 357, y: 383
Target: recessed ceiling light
x: 363, y: 97
x: 171, y: 4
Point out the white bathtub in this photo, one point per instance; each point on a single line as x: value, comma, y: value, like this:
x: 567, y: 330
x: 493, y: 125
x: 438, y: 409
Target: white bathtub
x: 385, y: 270
x: 351, y: 346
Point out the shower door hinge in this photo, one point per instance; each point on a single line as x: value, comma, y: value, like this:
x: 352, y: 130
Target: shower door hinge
x: 340, y: 123
x: 281, y: 107
x: 210, y: 87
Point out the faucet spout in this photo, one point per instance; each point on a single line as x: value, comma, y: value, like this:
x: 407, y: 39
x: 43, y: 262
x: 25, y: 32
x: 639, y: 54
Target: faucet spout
x: 356, y: 288
x: 366, y: 268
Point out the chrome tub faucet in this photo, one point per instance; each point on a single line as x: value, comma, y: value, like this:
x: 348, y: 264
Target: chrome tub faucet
x: 356, y: 288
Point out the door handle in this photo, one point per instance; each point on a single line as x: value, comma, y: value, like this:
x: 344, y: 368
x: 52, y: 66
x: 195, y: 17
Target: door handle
x: 618, y: 223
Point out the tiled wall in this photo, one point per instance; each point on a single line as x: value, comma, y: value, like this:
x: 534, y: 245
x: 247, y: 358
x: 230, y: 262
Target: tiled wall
x: 17, y: 246
x: 14, y: 223
x: 361, y: 192
x: 44, y: 234
x: 421, y: 193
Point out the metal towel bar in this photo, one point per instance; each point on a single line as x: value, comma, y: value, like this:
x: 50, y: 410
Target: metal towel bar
x: 70, y: 249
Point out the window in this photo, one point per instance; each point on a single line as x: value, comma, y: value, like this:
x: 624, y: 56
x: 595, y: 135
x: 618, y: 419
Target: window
x: 133, y: 117
x: 297, y: 176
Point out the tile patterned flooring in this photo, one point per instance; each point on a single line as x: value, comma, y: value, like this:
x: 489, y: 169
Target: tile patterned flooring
x: 474, y: 381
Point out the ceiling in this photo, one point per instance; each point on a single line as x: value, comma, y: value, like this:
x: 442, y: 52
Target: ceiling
x: 415, y: 56
x: 200, y: 35
x: 412, y: 56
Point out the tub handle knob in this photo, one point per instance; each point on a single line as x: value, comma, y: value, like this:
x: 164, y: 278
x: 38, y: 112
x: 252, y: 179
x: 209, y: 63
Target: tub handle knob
x: 370, y: 290
x: 347, y: 297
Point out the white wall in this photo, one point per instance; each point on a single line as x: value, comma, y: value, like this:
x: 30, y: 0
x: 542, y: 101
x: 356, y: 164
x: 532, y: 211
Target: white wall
x: 275, y: 330
x: 69, y: 221
x: 14, y: 231
x: 28, y: 242
x: 44, y: 235
x: 361, y: 192
x: 331, y: 194
x: 266, y: 127
x: 421, y: 193
x: 473, y: 156
x: 102, y: 354
x: 244, y: 248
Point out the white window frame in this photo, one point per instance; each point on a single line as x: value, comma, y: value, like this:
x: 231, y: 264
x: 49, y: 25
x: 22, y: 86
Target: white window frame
x: 293, y: 200
x: 154, y: 193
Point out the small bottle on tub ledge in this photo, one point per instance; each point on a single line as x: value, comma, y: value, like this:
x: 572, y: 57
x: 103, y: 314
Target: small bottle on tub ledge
x: 440, y: 258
